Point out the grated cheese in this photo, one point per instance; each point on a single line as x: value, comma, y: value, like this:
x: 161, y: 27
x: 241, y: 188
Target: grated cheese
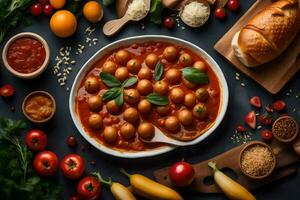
x: 195, y: 14
x: 137, y: 9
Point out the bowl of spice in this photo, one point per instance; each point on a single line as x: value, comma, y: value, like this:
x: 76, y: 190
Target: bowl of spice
x: 285, y: 129
x: 39, y: 106
x: 26, y: 55
x: 257, y: 160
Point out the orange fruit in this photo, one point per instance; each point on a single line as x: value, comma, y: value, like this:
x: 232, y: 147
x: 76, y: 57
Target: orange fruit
x: 93, y: 11
x: 57, y: 4
x: 63, y: 23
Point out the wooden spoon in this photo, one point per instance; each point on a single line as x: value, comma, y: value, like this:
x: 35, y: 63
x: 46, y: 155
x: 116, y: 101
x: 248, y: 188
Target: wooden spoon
x: 113, y: 26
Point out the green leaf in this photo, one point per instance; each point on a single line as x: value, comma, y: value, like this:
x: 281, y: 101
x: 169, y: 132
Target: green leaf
x: 157, y: 99
x: 159, y: 70
x: 156, y: 11
x: 111, y: 94
x: 108, y: 2
x: 129, y: 82
x: 195, y: 76
x: 120, y: 99
x: 109, y: 80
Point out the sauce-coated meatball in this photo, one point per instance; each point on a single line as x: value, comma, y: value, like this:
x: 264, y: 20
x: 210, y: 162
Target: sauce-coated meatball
x: 133, y: 66
x: 146, y: 130
x: 95, y: 103
x: 163, y: 110
x: 177, y: 95
x: 151, y: 60
x: 185, y: 117
x: 127, y: 131
x: 144, y: 87
x: 122, y: 73
x: 172, y: 123
x: 109, y: 67
x: 190, y: 99
x: 202, y: 94
x: 170, y: 53
x: 122, y: 56
x: 200, y: 65
x: 145, y: 73
x: 161, y: 87
x: 200, y: 111
x: 110, y: 134
x: 92, y: 84
x: 112, y: 107
x: 144, y: 106
x: 173, y: 75
x: 131, y: 96
x: 131, y: 115
x: 95, y: 121
x: 186, y: 59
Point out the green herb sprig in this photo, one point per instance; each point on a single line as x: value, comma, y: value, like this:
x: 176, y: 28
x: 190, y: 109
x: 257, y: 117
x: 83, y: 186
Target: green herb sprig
x: 157, y: 99
x: 158, y: 71
x: 195, y: 76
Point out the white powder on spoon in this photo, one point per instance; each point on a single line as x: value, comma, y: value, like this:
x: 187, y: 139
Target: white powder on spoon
x: 138, y: 9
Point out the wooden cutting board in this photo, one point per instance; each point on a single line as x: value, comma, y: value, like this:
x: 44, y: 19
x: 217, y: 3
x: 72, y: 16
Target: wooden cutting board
x: 272, y: 76
x: 285, y: 157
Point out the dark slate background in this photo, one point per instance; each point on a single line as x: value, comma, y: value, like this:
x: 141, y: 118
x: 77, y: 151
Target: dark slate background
x: 62, y: 126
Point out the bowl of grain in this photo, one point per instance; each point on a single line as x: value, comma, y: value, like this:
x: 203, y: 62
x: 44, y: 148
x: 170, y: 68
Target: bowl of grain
x: 257, y: 160
x: 285, y: 129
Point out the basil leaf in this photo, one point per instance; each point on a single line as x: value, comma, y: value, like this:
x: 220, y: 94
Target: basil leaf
x: 156, y: 11
x: 109, y: 80
x: 159, y: 70
x: 156, y: 99
x: 129, y: 82
x: 111, y: 94
x: 120, y: 99
x: 195, y: 76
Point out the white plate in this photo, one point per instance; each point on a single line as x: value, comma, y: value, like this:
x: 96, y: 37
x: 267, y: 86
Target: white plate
x: 140, y: 39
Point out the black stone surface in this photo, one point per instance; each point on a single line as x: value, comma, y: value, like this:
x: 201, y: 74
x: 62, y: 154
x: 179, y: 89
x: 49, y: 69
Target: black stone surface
x: 62, y: 126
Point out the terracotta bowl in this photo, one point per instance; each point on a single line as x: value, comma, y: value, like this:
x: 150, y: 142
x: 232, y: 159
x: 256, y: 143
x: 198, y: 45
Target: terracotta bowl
x: 32, y: 74
x: 289, y: 139
x: 39, y: 93
x: 251, y: 144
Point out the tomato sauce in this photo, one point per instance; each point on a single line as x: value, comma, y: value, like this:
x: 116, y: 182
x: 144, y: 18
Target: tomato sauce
x: 140, y: 51
x: 26, y: 55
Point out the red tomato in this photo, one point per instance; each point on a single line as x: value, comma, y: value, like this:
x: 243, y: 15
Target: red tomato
x: 250, y: 119
x: 220, y: 13
x: 240, y: 129
x: 89, y: 188
x: 265, y: 119
x: 47, y: 10
x: 36, y: 140
x: 74, y: 198
x: 169, y: 22
x: 7, y: 90
x: 266, y: 135
x: 71, y: 141
x: 36, y: 9
x: 182, y: 174
x: 255, y: 101
x: 233, y: 5
x: 279, y: 105
x: 72, y: 166
x: 46, y: 163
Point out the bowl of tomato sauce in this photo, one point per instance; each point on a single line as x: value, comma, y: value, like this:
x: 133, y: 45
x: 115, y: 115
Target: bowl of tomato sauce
x: 26, y: 55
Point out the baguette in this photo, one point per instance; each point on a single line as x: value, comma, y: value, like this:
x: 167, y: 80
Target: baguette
x: 268, y: 33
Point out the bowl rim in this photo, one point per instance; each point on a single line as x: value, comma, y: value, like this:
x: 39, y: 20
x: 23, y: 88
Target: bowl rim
x: 140, y: 39
x: 252, y: 144
x: 290, y: 139
x: 35, y: 93
x: 33, y: 74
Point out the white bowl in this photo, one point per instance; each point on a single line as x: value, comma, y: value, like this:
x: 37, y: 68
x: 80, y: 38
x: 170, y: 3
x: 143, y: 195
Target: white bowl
x: 141, y: 39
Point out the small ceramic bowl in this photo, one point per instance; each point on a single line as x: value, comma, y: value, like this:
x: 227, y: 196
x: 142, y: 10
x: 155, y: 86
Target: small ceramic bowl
x: 249, y: 145
x: 32, y: 94
x: 288, y: 139
x: 33, y: 74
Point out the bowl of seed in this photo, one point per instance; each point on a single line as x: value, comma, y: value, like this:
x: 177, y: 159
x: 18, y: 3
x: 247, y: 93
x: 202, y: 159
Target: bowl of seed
x: 257, y: 160
x: 285, y: 129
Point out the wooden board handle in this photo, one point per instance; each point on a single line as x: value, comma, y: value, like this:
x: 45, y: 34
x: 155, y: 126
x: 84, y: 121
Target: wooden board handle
x: 113, y: 26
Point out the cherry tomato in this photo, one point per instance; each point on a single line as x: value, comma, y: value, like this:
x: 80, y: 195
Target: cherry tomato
x: 182, y: 174
x: 36, y: 9
x: 36, y: 140
x: 220, y: 13
x: 47, y: 10
x: 266, y: 135
x: 46, y: 163
x: 169, y: 22
x: 71, y: 141
x: 233, y: 5
x: 72, y: 166
x: 279, y: 105
x: 265, y: 119
x: 7, y: 90
x: 89, y: 188
x: 74, y: 198
x: 240, y: 129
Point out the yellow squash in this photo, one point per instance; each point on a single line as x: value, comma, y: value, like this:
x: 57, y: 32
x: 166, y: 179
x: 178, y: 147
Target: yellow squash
x: 150, y: 189
x: 232, y: 189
